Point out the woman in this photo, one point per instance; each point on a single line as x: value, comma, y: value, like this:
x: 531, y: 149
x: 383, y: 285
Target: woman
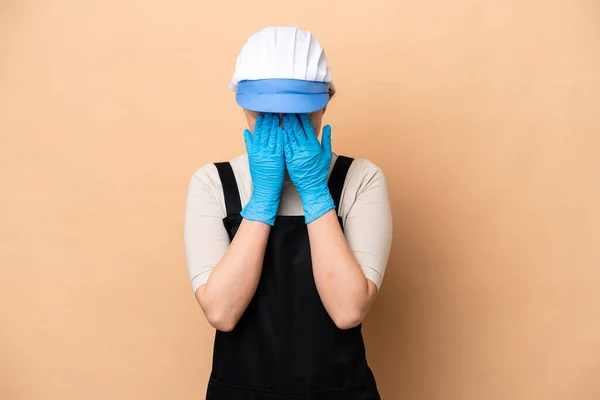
x: 287, y: 244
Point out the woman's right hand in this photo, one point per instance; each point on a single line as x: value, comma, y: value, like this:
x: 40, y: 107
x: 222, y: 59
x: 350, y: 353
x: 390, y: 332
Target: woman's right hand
x: 265, y: 157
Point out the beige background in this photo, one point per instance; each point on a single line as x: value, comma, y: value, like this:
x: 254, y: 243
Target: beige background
x: 483, y: 114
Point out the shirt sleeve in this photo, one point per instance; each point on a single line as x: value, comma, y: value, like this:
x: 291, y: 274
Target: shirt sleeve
x: 205, y: 237
x: 368, y: 225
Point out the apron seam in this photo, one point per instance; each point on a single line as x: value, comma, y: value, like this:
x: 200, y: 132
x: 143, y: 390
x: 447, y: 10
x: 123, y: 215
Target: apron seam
x: 289, y: 393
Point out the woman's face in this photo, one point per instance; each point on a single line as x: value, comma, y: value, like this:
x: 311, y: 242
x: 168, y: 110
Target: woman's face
x: 315, y: 117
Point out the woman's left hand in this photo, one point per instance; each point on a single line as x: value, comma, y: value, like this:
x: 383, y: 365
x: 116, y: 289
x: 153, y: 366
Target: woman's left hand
x: 308, y: 163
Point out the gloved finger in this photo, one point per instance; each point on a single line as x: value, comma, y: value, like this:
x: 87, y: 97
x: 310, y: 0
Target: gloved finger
x: 288, y: 127
x: 287, y: 147
x: 287, y: 123
x: 274, y: 128
x: 308, y: 127
x: 248, y: 140
x: 296, y: 127
x: 280, y: 141
x: 258, y: 124
x: 266, y: 129
x: 326, y: 140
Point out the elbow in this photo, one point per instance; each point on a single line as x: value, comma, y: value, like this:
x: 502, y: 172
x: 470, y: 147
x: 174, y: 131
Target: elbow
x: 348, y: 319
x: 220, y: 320
x: 351, y: 313
x: 216, y: 313
x: 223, y: 326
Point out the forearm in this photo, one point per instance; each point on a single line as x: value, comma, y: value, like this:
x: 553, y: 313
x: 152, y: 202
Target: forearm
x: 345, y: 292
x: 233, y: 281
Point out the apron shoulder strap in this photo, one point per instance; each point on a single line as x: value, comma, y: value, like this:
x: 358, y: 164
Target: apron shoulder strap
x: 233, y: 204
x: 337, y: 178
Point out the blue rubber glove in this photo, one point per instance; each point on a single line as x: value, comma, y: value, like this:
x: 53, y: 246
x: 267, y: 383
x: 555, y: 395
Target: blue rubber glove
x: 308, y: 162
x: 267, y: 166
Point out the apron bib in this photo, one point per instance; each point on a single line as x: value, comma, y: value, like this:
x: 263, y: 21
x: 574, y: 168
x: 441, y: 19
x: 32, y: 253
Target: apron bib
x: 285, y: 345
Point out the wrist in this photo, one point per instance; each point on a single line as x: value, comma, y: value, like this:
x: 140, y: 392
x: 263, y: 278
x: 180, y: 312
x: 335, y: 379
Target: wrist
x: 261, y: 210
x: 316, y: 203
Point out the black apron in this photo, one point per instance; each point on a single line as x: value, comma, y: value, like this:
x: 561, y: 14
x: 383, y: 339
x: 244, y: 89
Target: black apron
x: 285, y: 345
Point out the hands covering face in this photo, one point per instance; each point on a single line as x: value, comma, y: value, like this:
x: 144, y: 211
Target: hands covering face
x: 265, y: 157
x: 294, y: 146
x: 308, y: 162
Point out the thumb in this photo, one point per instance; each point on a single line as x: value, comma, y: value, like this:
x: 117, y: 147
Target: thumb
x: 248, y: 140
x: 326, y: 139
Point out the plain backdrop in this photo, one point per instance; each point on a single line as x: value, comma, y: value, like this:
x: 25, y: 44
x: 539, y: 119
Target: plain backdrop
x: 484, y: 115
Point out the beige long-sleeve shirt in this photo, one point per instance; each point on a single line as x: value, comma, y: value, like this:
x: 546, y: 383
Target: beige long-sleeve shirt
x: 364, y: 208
